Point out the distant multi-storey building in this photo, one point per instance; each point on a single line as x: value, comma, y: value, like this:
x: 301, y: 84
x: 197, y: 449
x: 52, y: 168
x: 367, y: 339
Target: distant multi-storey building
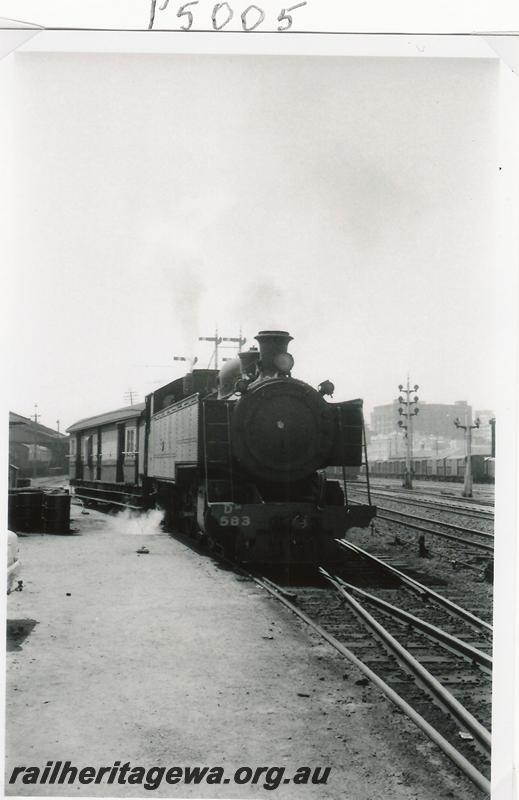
x: 434, y: 432
x: 483, y: 435
x: 433, y: 419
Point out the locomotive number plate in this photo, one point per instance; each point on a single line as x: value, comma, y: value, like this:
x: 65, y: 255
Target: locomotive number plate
x: 231, y: 517
x: 234, y: 521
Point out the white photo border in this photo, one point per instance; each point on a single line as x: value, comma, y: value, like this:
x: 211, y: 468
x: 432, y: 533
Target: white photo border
x: 504, y: 49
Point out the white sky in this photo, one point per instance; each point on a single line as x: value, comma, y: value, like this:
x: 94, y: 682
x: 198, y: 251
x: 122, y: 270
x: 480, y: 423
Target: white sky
x: 349, y: 201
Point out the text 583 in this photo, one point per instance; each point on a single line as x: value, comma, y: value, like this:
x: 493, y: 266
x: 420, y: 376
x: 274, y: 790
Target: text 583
x: 234, y: 521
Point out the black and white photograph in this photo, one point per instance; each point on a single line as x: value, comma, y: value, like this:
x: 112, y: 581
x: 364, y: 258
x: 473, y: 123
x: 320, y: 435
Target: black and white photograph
x: 261, y: 385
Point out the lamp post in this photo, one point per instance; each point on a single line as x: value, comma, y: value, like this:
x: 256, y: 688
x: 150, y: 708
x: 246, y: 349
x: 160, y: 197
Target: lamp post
x: 467, y: 484
x: 407, y: 411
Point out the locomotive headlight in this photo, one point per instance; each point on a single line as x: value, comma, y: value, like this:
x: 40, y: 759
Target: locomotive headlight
x: 300, y: 522
x: 283, y: 362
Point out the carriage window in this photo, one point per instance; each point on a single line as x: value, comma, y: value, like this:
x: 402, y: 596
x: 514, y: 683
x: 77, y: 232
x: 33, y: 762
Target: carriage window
x: 130, y: 440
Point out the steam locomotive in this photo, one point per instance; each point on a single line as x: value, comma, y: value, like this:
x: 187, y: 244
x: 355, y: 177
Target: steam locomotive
x: 236, y: 456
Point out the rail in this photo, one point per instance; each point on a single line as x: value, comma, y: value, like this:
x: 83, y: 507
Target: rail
x: 441, y: 523
x: 446, y: 640
x: 478, y: 545
x: 422, y: 676
x: 435, y: 736
x: 444, y: 495
x: 433, y: 504
x: 419, y: 588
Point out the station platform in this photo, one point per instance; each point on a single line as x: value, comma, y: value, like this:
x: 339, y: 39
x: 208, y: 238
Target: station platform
x: 166, y: 659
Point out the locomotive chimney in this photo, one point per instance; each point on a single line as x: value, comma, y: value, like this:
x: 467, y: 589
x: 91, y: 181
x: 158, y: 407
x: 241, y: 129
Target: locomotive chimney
x: 272, y: 345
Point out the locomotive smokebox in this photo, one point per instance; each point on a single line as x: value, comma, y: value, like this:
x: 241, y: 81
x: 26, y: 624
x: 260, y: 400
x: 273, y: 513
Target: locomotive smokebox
x: 273, y: 345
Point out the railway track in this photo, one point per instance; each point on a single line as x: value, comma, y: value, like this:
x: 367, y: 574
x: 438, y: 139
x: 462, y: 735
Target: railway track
x: 469, y: 502
x: 420, y: 498
x: 486, y: 546
x: 429, y: 656
x: 443, y: 521
x: 427, y: 593
x: 432, y: 483
x: 426, y: 503
x: 442, y: 531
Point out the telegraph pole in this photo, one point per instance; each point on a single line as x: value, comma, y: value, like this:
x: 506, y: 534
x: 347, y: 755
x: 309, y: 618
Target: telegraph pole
x: 467, y: 485
x: 130, y: 394
x: 406, y: 410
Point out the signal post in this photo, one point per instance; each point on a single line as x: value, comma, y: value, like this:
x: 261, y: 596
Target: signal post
x: 467, y: 484
x: 407, y: 411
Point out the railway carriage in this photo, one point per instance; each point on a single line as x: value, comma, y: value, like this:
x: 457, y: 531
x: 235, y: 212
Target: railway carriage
x: 105, y: 458
x: 237, y: 456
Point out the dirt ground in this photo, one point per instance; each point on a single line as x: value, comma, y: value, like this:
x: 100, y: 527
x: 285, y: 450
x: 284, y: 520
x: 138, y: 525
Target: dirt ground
x: 166, y: 659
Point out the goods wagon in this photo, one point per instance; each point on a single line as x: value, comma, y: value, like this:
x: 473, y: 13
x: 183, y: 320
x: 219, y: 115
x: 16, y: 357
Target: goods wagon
x: 437, y: 469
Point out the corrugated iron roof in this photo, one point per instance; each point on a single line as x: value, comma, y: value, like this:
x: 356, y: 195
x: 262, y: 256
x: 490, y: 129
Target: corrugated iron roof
x: 119, y: 415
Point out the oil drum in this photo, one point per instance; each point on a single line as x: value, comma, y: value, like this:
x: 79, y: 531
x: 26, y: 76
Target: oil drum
x: 25, y: 511
x: 56, y: 512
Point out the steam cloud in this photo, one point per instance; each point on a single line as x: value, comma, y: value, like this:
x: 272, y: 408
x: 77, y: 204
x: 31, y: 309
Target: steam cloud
x: 136, y: 523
